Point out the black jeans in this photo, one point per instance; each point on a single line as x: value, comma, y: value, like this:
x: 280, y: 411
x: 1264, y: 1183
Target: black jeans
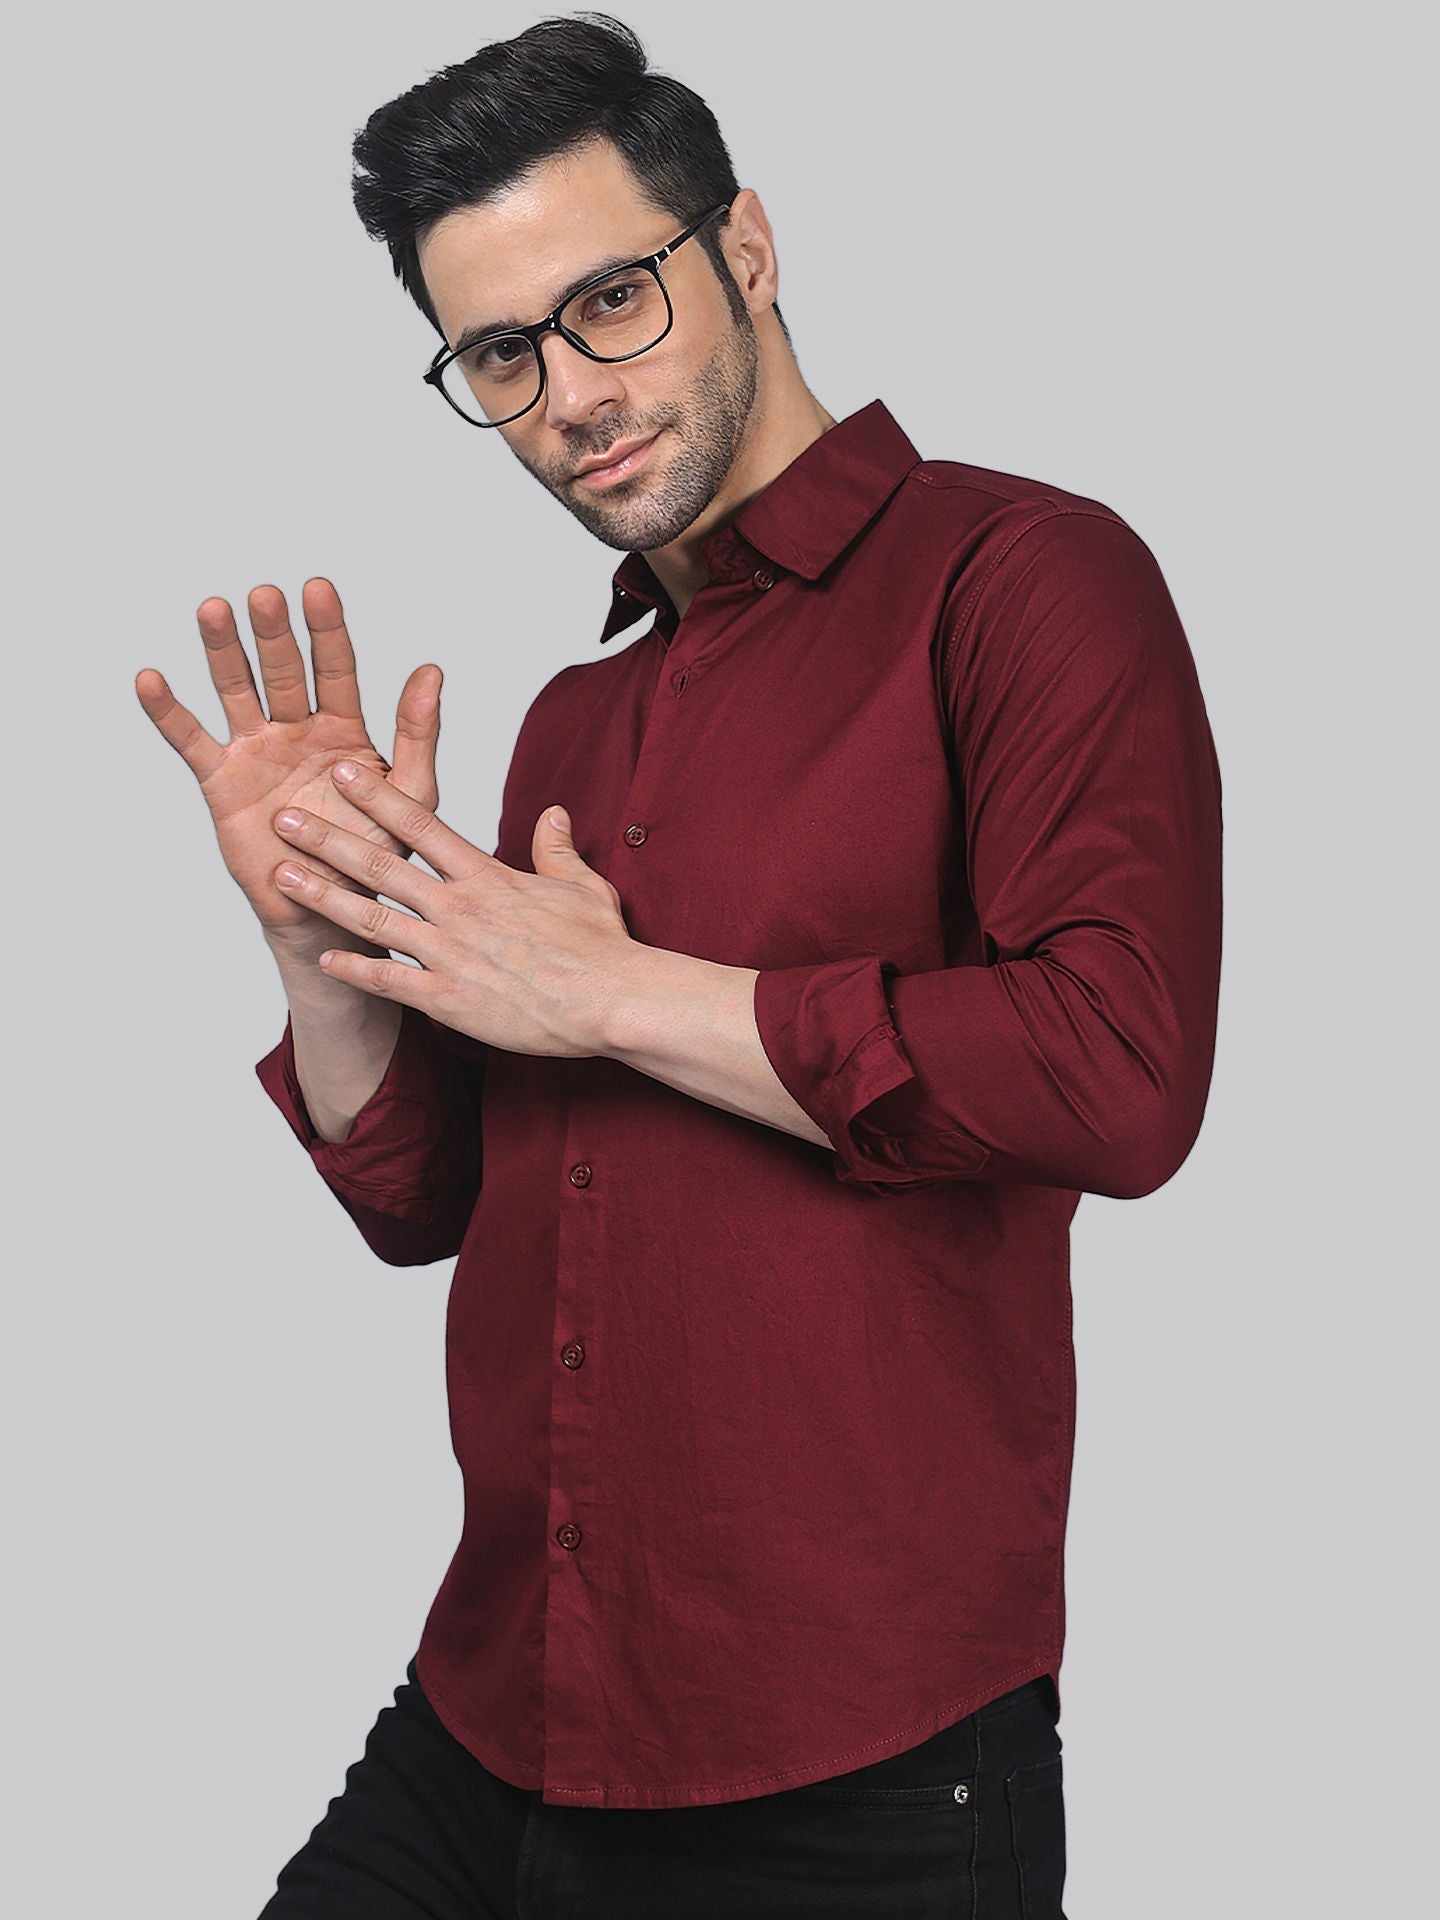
x: 968, y: 1826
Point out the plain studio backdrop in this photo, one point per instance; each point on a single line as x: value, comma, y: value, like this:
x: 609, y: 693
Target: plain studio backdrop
x: 1166, y: 257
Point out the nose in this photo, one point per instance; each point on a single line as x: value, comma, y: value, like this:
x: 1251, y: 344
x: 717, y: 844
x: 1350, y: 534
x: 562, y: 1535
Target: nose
x: 576, y: 387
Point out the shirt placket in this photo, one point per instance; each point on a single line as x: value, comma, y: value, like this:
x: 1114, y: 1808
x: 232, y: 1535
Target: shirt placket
x: 577, y: 1360
x: 585, y: 1566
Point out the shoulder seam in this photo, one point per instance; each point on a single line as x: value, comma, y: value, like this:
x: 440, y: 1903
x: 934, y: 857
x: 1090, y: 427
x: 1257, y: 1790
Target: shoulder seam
x: 1034, y: 496
x: 943, y: 485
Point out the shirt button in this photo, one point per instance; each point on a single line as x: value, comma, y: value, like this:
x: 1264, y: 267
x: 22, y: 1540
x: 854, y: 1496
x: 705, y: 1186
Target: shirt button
x: 635, y: 835
x: 764, y: 578
x: 679, y: 677
x: 568, y: 1535
x: 573, y: 1355
x: 580, y: 1174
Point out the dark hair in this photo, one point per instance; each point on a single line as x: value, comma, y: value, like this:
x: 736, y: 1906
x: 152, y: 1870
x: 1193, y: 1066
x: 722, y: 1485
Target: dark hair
x: 475, y: 127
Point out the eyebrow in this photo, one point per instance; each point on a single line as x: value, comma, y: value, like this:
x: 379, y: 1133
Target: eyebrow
x: 482, y: 329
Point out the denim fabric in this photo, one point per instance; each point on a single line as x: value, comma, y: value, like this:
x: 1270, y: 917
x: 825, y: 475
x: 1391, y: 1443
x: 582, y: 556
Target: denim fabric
x: 969, y: 1825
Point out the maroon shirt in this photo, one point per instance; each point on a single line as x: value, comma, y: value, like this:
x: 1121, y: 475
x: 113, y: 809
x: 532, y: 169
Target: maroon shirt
x: 766, y: 1447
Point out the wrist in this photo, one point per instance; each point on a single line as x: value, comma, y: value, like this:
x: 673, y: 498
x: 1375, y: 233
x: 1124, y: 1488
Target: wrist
x: 625, y: 1016
x: 297, y: 955
x: 305, y: 944
x: 657, y: 992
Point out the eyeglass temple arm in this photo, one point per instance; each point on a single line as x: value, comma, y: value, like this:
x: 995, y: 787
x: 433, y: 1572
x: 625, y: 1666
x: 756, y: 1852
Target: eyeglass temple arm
x: 689, y: 233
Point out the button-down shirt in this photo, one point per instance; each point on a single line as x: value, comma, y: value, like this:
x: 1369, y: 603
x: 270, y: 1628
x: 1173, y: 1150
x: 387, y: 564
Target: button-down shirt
x: 766, y: 1445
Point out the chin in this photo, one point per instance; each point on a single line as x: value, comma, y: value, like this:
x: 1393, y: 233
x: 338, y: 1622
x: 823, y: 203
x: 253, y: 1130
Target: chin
x: 638, y: 521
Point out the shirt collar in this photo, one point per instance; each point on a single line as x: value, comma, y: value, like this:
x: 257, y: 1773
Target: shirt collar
x: 802, y: 521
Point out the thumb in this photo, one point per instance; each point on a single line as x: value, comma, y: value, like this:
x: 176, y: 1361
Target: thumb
x: 552, y: 841
x: 417, y: 730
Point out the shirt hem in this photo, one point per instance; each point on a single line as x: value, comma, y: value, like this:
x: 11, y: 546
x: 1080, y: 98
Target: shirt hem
x: 635, y: 1797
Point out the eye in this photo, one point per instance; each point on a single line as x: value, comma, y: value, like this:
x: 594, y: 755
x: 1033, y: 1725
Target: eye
x: 496, y: 357
x: 607, y: 301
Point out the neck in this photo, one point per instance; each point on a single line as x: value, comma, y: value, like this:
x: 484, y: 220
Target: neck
x: 781, y: 428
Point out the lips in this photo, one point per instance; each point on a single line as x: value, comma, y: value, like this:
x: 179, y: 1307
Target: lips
x: 618, y: 466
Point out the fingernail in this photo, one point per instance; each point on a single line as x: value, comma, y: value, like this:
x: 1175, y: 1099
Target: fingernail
x: 289, y: 820
x: 346, y: 770
x: 290, y: 876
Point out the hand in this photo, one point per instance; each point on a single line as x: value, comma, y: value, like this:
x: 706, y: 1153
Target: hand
x: 285, y: 759
x: 531, y: 962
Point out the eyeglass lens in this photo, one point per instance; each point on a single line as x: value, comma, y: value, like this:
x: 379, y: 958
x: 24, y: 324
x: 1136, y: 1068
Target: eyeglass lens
x: 499, y: 378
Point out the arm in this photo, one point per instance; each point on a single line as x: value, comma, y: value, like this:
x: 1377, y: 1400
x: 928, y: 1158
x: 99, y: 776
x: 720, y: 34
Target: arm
x: 409, y: 1169
x: 691, y: 1023
x: 341, y: 1039
x: 388, y: 1113
x: 1079, y: 1056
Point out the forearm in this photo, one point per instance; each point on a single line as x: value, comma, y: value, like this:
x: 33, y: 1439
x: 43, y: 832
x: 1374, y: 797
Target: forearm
x: 691, y: 1024
x: 343, y: 1037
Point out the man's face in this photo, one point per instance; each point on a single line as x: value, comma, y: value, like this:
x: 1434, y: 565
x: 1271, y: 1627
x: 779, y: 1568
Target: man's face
x: 690, y: 398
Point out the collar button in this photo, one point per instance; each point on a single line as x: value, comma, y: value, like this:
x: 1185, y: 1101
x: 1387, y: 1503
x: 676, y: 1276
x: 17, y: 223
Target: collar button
x: 763, y: 578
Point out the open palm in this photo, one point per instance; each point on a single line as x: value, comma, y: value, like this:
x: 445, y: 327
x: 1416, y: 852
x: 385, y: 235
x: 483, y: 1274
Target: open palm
x: 284, y: 756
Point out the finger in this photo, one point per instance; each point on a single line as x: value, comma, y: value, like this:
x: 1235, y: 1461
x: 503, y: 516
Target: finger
x: 230, y: 667
x: 386, y: 979
x: 200, y: 751
x: 332, y: 658
x: 417, y: 731
x: 451, y: 855
x: 282, y: 670
x: 365, y: 861
x: 356, y: 912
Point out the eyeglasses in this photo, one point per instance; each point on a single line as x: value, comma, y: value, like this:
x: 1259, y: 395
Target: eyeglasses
x: 617, y: 315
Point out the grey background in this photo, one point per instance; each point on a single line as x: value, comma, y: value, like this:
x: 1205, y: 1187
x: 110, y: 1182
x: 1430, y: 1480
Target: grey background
x: 1164, y: 257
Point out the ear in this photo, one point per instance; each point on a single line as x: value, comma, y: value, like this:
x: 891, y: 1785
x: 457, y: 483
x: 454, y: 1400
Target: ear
x: 750, y: 248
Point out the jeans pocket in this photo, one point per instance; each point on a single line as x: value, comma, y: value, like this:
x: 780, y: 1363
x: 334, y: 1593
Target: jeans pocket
x: 1037, y: 1836
x: 865, y: 1853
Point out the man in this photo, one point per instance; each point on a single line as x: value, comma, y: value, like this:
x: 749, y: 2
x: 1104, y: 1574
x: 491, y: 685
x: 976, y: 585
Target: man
x: 843, y: 928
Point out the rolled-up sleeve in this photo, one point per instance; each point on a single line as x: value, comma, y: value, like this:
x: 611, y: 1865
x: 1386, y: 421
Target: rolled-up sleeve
x: 1079, y: 1053
x: 409, y: 1170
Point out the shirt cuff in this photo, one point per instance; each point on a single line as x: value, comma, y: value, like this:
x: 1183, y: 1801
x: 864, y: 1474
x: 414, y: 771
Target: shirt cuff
x: 828, y: 1032
x: 394, y: 1159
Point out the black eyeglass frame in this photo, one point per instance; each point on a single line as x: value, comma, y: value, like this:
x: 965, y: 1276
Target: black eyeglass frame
x: 551, y: 324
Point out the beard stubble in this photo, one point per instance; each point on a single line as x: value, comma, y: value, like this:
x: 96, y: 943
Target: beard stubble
x: 709, y: 426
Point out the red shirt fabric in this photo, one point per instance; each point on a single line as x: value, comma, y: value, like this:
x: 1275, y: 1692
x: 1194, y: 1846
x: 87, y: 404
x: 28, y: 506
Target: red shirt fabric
x: 766, y: 1446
